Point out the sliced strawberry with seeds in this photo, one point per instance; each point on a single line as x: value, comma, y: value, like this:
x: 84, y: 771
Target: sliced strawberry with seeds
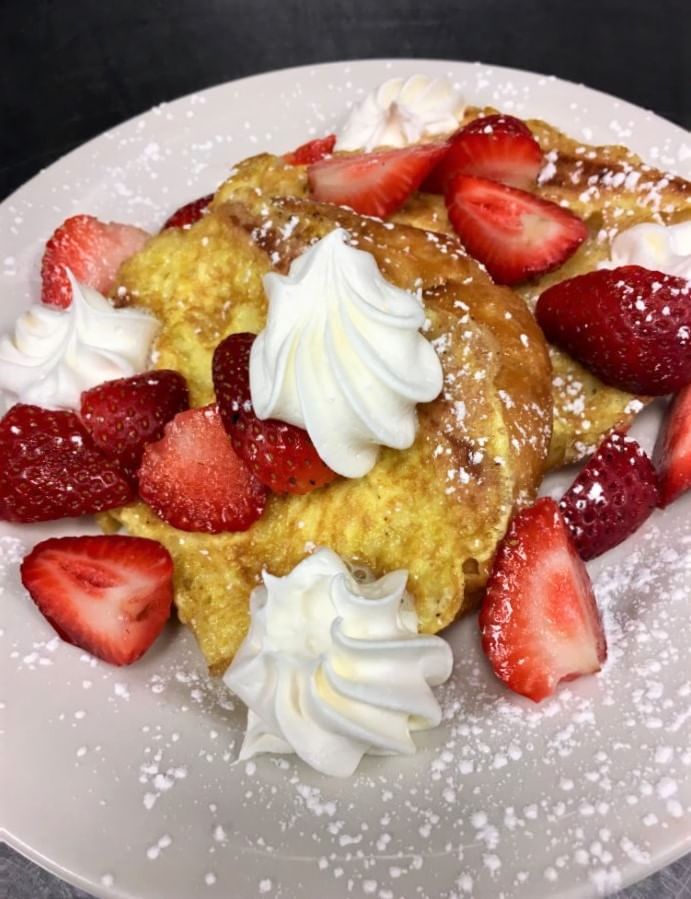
x: 499, y: 147
x: 630, y: 326
x: 374, y: 183
x: 611, y: 497
x: 92, y: 250
x: 193, y: 479
x: 673, y: 449
x: 189, y: 213
x: 282, y: 456
x: 312, y: 151
x: 52, y: 469
x: 122, y: 416
x: 111, y: 596
x: 515, y: 235
x: 539, y: 620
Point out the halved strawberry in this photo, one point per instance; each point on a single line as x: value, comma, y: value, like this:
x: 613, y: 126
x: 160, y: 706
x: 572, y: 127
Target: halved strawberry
x: 373, y: 183
x: 282, y: 456
x: 189, y: 213
x: 122, y: 416
x: 312, y: 151
x: 516, y: 235
x: 539, y: 620
x: 108, y: 595
x: 498, y: 147
x: 673, y: 449
x: 611, y: 496
x: 51, y: 468
x: 630, y: 326
x: 192, y: 478
x: 92, y: 250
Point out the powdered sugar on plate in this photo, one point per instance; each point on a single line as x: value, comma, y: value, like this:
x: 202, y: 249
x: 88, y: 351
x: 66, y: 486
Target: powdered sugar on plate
x: 506, y: 799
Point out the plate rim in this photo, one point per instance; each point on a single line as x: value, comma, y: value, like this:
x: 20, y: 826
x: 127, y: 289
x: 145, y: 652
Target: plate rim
x: 675, y: 851
x: 340, y: 62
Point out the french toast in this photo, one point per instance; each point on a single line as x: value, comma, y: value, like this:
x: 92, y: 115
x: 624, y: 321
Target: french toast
x: 611, y: 189
x: 438, y: 508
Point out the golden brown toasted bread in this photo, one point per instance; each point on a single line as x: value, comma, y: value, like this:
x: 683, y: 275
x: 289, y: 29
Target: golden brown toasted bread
x: 440, y: 507
x: 611, y: 189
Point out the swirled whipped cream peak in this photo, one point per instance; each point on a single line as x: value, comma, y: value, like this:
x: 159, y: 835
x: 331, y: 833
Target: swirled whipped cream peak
x: 662, y: 248
x: 55, y: 353
x: 401, y: 112
x: 342, y: 356
x: 333, y: 668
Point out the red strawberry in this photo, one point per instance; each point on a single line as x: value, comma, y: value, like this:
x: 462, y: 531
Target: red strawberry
x: 92, y: 250
x: 630, y: 326
x: 51, y: 468
x: 498, y: 147
x: 373, y: 183
x: 516, y: 235
x: 673, y: 449
x: 611, y: 497
x: 124, y: 415
x: 189, y: 213
x: 539, y: 621
x: 108, y: 595
x: 312, y: 151
x: 192, y: 478
x: 282, y: 456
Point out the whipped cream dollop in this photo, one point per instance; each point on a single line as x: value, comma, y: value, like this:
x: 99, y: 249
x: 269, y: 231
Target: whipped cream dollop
x: 401, y: 112
x: 55, y: 354
x: 333, y: 668
x: 663, y: 248
x: 342, y: 356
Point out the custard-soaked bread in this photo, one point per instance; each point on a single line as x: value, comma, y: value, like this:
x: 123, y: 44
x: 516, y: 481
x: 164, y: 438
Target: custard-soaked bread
x: 438, y: 508
x: 611, y: 189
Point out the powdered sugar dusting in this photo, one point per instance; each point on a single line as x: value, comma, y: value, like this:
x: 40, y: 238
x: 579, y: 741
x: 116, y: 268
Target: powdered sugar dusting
x: 506, y: 798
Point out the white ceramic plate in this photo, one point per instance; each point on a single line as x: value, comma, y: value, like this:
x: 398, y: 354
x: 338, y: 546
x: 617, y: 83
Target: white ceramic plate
x: 126, y: 783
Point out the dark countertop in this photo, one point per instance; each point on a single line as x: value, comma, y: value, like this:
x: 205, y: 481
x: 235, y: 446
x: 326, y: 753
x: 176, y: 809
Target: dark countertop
x: 72, y: 69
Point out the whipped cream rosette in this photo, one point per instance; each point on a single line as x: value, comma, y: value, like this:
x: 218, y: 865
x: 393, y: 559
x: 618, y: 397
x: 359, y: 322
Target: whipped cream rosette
x: 401, y: 112
x: 662, y: 248
x: 342, y: 356
x: 333, y: 668
x: 55, y: 354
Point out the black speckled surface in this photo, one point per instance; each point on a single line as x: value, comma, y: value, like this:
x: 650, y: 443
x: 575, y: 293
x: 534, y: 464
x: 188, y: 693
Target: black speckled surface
x: 71, y: 69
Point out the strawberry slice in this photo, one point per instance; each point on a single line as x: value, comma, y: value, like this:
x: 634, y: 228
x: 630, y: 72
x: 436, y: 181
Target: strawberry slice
x: 630, y: 326
x: 539, y: 621
x: 92, y: 250
x: 312, y: 151
x: 122, y: 416
x: 193, y: 479
x: 51, y: 468
x: 189, y: 213
x: 282, y: 456
x: 111, y: 596
x: 673, y: 449
x: 516, y: 235
x: 498, y: 147
x: 611, y: 497
x: 374, y: 183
